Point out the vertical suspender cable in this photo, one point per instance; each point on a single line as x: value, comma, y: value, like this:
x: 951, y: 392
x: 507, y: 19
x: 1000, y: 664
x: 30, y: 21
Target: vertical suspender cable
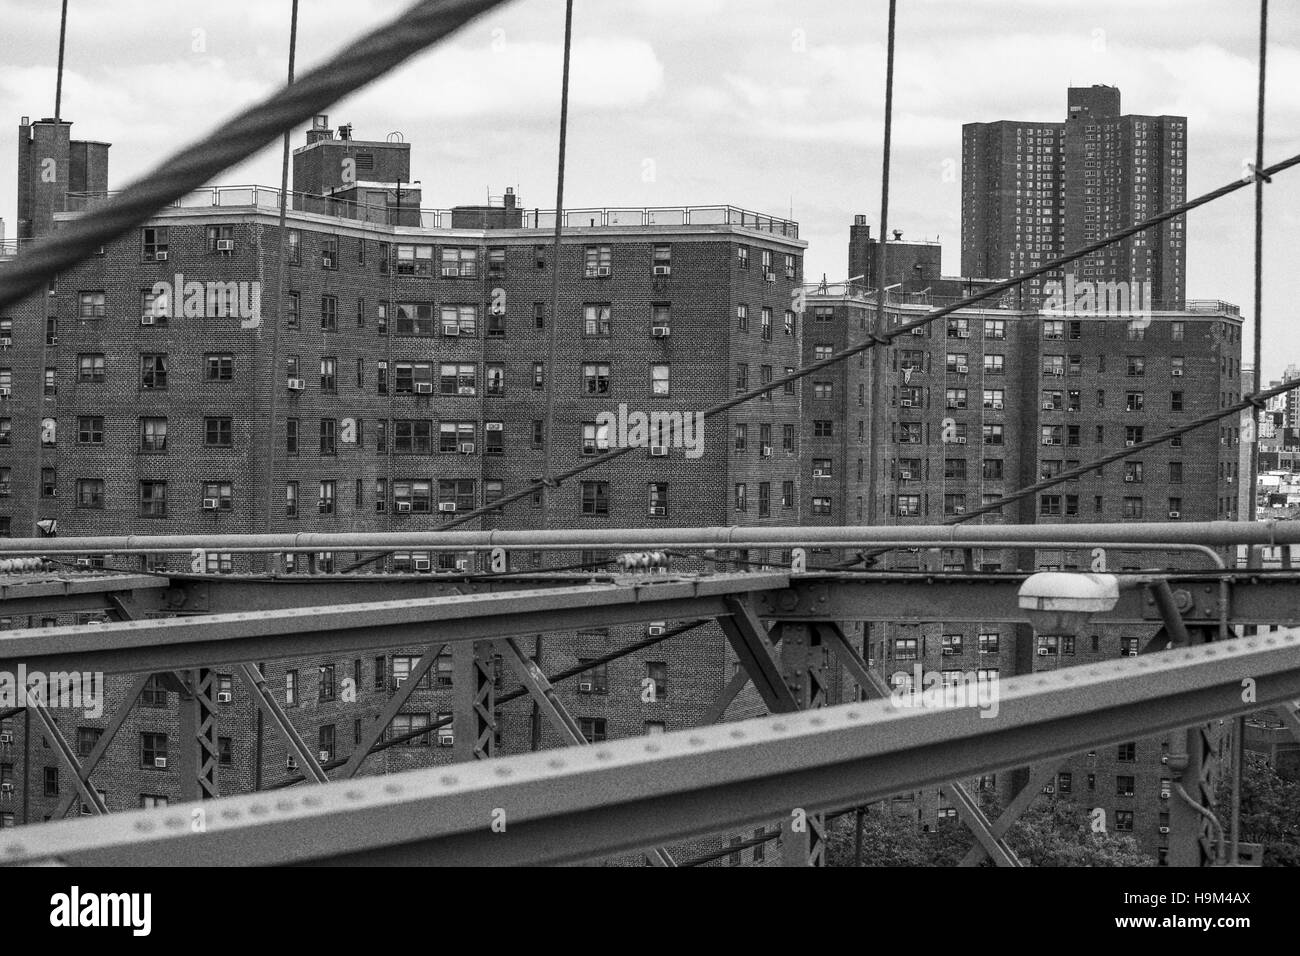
x: 1239, y: 725
x: 58, y: 82
x: 553, y: 321
x: 878, y: 362
x: 276, y: 313
x: 554, y: 318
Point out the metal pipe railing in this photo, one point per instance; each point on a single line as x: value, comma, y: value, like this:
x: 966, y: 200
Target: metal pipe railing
x: 1207, y: 533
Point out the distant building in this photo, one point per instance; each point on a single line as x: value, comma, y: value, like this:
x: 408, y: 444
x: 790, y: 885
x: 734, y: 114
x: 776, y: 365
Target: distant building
x: 1032, y: 191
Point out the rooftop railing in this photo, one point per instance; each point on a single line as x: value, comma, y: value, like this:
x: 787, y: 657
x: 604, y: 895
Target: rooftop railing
x: 393, y: 213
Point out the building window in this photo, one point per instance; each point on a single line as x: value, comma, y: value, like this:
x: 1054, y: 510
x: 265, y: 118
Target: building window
x: 90, y: 492
x: 218, y: 432
x: 595, y: 497
x: 594, y: 680
x: 595, y: 378
x: 596, y: 319
x: 592, y: 728
x: 153, y: 372
x: 327, y: 496
x: 153, y: 499
x: 329, y: 374
x: 154, y: 240
x: 91, y: 305
x: 291, y: 688
x: 598, y: 262
x: 659, y: 379
x: 153, y: 751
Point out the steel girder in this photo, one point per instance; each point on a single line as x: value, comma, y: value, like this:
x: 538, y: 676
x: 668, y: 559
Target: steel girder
x: 205, y: 640
x: 620, y: 796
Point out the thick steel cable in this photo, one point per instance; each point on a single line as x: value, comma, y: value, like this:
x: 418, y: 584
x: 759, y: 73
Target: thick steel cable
x: 363, y: 61
x: 886, y: 337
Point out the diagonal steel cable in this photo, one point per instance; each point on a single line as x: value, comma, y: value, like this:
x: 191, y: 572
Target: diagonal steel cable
x: 362, y: 62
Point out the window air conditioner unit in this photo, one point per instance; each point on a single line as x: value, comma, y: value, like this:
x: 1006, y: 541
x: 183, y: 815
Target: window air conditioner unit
x: 906, y: 403
x: 663, y: 270
x: 160, y: 763
x: 493, y: 426
x: 423, y: 388
x: 6, y: 788
x: 1058, y: 371
x: 997, y: 406
x: 1049, y: 789
x: 297, y: 384
x: 6, y: 738
x: 1128, y: 478
x: 5, y: 341
x: 447, y: 740
x: 819, y: 473
x: 160, y: 257
x: 657, y: 629
x: 769, y: 276
x: 1178, y: 373
x: 224, y: 697
x: 766, y: 451
x: 225, y: 245
x: 403, y: 506
x: 919, y: 330
x: 451, y: 330
x: 467, y: 448
x: 658, y: 451
x: 960, y: 441
x: 447, y: 507
x: 1164, y: 829
x: 660, y: 332
x: 1049, y: 406
x: 963, y: 369
x: 658, y: 511
x: 584, y: 687
x: 4, y: 391
x: 463, y: 390
x: 462, y: 564
x: 423, y: 564
x: 963, y: 333
x: 148, y: 320
x: 958, y: 510
x: 322, y: 755
x: 1129, y: 444
x: 1043, y: 652
x: 1164, y: 758
x: 450, y: 272
x: 1175, y: 514
x: 327, y: 262
x: 290, y: 763
x: 210, y: 504
x: 906, y: 476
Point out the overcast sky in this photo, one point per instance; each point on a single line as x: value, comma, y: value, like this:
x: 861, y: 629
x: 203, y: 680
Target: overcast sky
x: 770, y: 105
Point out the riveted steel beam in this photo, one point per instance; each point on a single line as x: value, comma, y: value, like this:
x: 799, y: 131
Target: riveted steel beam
x: 590, y: 802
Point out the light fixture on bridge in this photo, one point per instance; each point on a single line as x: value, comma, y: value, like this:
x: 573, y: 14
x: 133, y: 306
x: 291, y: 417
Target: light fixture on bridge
x: 1059, y: 602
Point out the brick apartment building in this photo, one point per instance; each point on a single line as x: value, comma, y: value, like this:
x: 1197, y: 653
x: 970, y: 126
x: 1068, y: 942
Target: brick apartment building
x: 396, y: 380
x: 992, y: 399
x: 1031, y: 191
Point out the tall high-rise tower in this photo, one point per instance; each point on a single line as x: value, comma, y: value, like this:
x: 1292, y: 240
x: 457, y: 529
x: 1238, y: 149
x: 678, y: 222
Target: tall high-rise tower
x: 1033, y: 191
